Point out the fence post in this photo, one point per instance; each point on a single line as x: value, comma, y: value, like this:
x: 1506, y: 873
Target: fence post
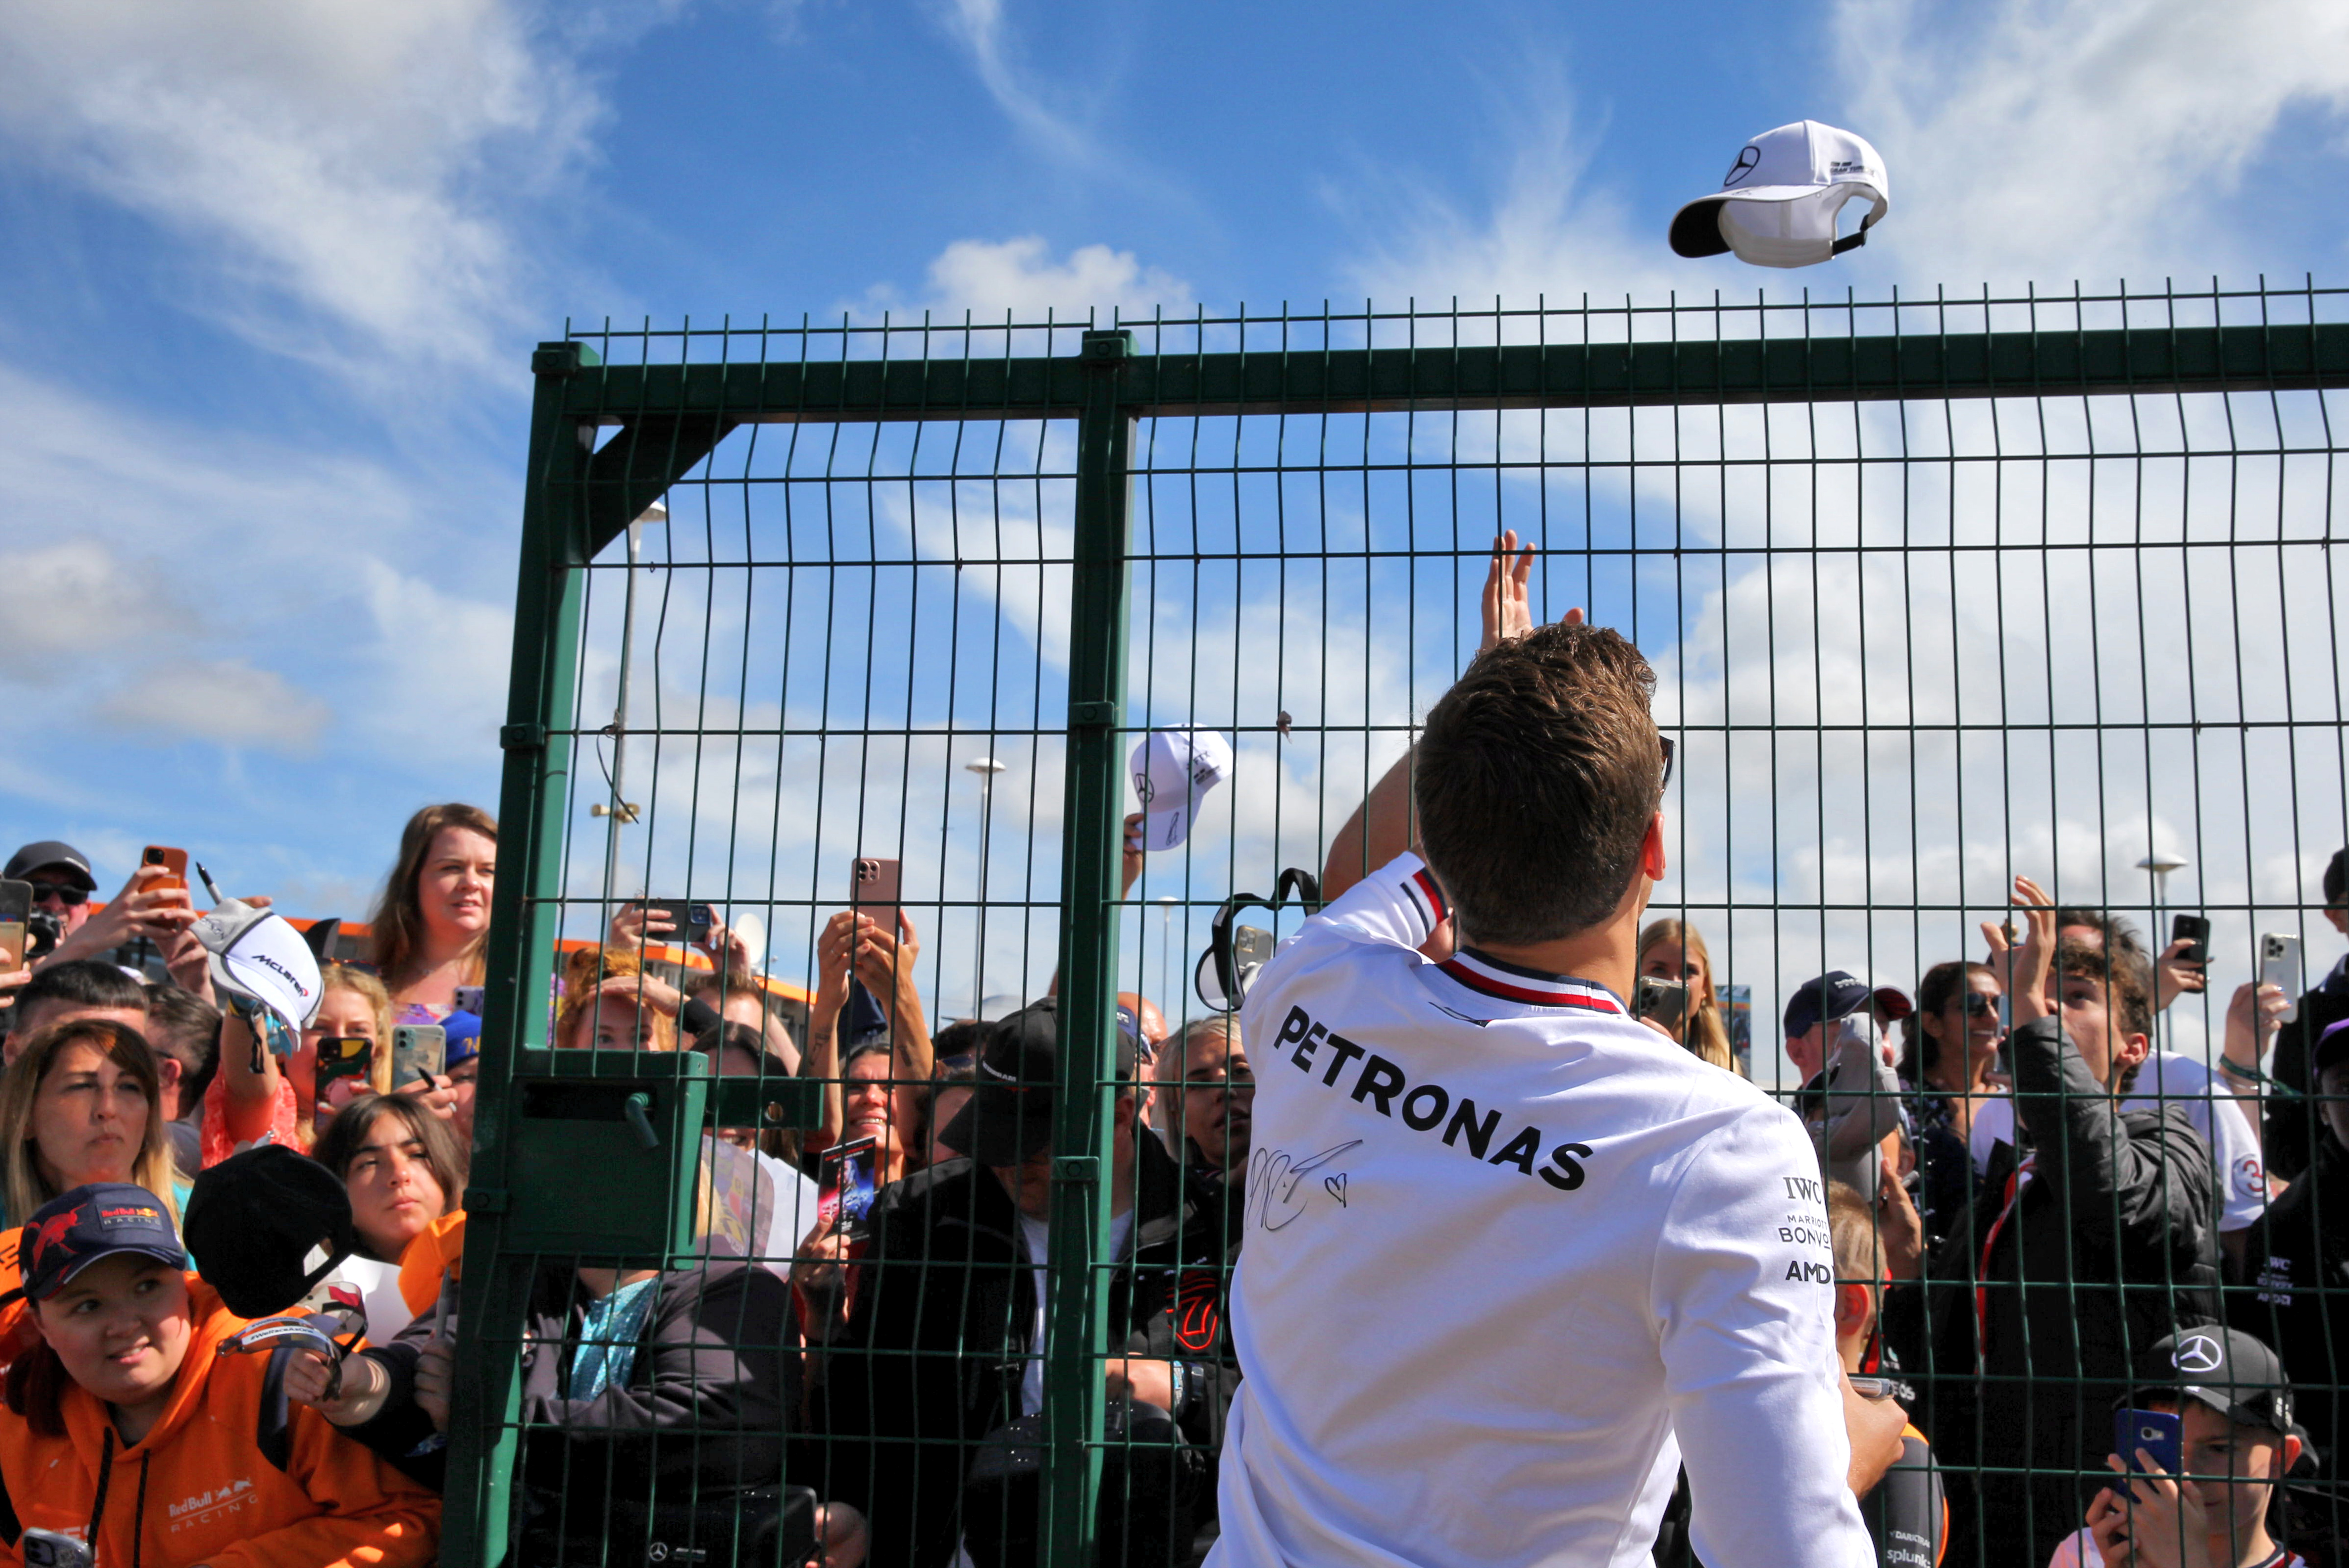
x: 1073, y: 1376
x: 524, y: 917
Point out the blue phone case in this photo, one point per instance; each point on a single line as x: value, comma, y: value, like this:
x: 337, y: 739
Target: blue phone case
x: 2157, y: 1432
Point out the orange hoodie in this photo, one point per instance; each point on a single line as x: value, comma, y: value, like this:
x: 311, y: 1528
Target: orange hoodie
x: 199, y: 1489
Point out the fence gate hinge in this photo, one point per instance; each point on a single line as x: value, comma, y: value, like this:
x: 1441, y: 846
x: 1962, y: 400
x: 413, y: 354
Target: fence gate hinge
x: 522, y: 737
x: 1090, y: 715
x: 1076, y: 1168
x: 1114, y: 344
x: 563, y: 358
x: 485, y: 1200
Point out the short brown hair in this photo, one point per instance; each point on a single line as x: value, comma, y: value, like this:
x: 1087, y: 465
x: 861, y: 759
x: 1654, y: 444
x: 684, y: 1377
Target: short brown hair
x: 1536, y: 780
x: 1851, y: 1226
x: 2128, y: 989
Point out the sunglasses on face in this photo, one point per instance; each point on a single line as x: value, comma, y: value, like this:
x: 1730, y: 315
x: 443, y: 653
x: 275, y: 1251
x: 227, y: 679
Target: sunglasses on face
x: 1666, y: 740
x: 1980, y: 1006
x: 70, y: 897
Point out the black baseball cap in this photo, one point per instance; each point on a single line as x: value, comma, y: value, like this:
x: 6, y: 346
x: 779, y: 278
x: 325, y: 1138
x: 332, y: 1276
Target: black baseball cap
x: 252, y: 1219
x: 2225, y: 1368
x: 1008, y: 1118
x: 2331, y: 1047
x: 68, y: 1234
x: 1835, y: 995
x: 2336, y: 880
x: 46, y: 853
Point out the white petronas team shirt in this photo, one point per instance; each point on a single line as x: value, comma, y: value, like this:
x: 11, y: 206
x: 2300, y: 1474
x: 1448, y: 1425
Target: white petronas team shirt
x: 1511, y: 1258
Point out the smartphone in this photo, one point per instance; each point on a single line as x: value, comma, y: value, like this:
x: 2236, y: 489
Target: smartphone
x: 15, y: 909
x: 691, y: 921
x: 845, y: 1186
x: 174, y: 861
x: 470, y: 997
x: 53, y: 1549
x: 2157, y: 1432
x: 419, y: 1051
x: 2280, y: 966
x: 1665, y: 1000
x: 873, y: 891
x: 344, y: 1056
x: 2194, y: 928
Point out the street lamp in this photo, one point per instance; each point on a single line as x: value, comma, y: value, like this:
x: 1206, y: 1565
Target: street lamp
x: 984, y: 769
x: 1166, y: 902
x: 2161, y: 864
x: 620, y: 810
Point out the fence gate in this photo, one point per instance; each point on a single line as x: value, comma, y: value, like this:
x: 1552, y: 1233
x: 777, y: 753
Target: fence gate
x: 1937, y: 592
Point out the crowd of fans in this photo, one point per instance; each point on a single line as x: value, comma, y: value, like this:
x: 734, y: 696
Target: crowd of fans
x: 2037, y: 1221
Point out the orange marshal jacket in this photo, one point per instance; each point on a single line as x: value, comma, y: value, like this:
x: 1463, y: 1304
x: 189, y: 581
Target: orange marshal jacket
x: 199, y: 1487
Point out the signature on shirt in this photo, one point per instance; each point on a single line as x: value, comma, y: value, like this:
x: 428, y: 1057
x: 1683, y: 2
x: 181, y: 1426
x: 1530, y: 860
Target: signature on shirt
x: 1277, y: 1188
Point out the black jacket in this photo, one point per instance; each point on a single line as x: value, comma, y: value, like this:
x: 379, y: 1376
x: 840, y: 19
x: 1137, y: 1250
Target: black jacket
x: 2295, y: 1299
x: 2112, y: 1244
x: 702, y: 1413
x: 2293, y: 1129
x: 943, y: 1327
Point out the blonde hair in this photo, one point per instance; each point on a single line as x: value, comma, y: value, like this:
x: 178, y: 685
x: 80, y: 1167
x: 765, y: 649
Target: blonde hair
x: 359, y: 983
x: 395, y: 930
x: 1851, y: 1224
x: 1705, y: 1032
x: 586, y: 968
x: 20, y: 1087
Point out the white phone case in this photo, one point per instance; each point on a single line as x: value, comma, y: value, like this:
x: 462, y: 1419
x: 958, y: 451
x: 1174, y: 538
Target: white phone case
x: 2280, y: 967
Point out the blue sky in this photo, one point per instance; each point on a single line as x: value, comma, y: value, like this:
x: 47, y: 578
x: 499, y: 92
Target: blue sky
x: 276, y: 267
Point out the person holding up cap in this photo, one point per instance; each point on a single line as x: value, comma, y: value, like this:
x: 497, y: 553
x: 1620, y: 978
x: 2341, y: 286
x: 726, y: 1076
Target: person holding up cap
x: 134, y: 1440
x: 2237, y: 1439
x: 954, y: 1277
x: 1819, y: 1004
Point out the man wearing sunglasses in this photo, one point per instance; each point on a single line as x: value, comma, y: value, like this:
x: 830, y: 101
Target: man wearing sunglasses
x: 61, y: 878
x: 148, y: 908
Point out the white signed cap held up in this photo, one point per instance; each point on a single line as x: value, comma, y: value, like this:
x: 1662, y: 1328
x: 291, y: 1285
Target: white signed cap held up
x: 1173, y: 772
x: 1778, y: 205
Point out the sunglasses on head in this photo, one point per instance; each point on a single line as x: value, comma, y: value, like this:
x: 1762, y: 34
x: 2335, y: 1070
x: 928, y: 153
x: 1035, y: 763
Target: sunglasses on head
x: 72, y: 897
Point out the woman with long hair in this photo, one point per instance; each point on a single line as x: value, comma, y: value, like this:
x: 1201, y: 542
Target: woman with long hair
x: 1675, y: 950
x: 432, y: 919
x: 82, y: 1103
x: 1948, y: 1048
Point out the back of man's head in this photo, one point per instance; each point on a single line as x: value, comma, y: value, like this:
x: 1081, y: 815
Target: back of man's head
x: 185, y: 1028
x: 77, y: 985
x: 2336, y: 880
x: 1536, y: 780
x: 2111, y: 930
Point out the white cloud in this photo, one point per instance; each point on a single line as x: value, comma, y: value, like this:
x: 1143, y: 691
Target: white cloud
x: 438, y: 685
x: 1021, y: 276
x: 2082, y: 138
x: 979, y: 27
x: 348, y: 170
x: 58, y: 601
x: 225, y: 701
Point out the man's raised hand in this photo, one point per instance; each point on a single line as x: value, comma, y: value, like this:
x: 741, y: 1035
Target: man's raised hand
x: 1507, y: 603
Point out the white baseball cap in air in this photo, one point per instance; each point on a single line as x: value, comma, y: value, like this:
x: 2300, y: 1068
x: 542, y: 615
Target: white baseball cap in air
x: 1173, y: 772
x: 1778, y: 205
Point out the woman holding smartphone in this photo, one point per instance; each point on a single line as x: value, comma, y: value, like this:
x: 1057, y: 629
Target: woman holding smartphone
x: 433, y: 920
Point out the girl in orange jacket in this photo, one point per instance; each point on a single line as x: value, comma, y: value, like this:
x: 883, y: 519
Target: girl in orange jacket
x: 127, y: 1433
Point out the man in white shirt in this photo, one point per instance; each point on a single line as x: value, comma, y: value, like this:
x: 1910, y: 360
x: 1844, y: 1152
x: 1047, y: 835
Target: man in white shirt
x: 1511, y: 1258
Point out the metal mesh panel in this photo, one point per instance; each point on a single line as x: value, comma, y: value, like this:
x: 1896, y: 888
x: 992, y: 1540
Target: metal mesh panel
x: 1937, y: 593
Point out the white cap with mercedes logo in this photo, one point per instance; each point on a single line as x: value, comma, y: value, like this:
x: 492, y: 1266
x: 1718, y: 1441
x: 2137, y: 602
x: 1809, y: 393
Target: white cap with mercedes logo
x: 1778, y: 205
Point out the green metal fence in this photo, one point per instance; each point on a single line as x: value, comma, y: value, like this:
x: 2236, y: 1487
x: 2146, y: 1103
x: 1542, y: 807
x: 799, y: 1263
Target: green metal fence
x: 1938, y: 591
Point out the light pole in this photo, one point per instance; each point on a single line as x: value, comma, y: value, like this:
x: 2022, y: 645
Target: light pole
x: 984, y: 769
x: 1165, y: 903
x: 619, y: 811
x: 2160, y: 865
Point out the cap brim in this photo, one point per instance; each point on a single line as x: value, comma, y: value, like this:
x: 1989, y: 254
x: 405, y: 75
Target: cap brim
x: 1001, y: 1127
x: 1696, y: 229
x: 1894, y: 1001
x: 175, y: 1259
